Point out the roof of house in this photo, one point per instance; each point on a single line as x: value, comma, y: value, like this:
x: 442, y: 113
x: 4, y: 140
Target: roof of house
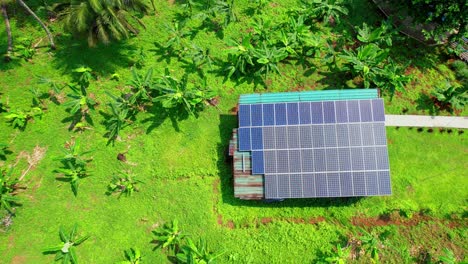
x: 312, y: 144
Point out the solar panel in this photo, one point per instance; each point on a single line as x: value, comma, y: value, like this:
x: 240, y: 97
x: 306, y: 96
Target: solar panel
x: 317, y: 149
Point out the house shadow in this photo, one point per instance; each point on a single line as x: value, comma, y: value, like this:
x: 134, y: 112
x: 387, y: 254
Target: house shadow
x: 226, y: 125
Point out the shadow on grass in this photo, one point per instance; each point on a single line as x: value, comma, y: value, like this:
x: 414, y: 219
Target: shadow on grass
x: 227, y: 124
x: 105, y: 59
x: 425, y: 103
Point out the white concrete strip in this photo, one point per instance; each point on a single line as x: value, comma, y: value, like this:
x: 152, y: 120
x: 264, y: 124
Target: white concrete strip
x: 426, y: 121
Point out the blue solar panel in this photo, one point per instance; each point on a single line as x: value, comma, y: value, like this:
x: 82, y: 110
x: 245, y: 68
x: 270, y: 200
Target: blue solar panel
x: 320, y: 161
x: 304, y: 113
x: 257, y: 162
x: 293, y: 137
x: 317, y: 149
x: 317, y: 136
x: 365, y: 110
x: 295, y: 181
x: 329, y: 112
x: 283, y: 186
x: 378, y: 110
x: 256, y: 135
x: 317, y: 112
x: 282, y: 161
x: 341, y: 112
x: 346, y: 183
x: 333, y: 182
x: 295, y: 160
x: 372, y: 183
x: 256, y: 115
x: 344, y: 155
x: 384, y: 183
x: 268, y: 114
x: 321, y: 186
x: 244, y: 138
x: 281, y: 138
x: 308, y: 187
x: 353, y: 111
x: 293, y: 114
x: 272, y: 191
x: 307, y: 157
x: 270, y: 161
x: 359, y: 183
x: 280, y: 114
x: 244, y: 115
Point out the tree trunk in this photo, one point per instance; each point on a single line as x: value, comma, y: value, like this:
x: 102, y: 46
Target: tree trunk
x: 8, y: 31
x: 49, y: 35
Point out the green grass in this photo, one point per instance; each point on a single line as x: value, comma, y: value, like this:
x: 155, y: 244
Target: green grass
x: 185, y: 174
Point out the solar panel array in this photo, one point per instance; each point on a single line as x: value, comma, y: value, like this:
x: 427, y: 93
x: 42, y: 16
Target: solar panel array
x: 317, y: 149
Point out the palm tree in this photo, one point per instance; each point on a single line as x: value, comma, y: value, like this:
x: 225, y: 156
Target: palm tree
x: 8, y: 31
x: 3, y: 8
x: 102, y: 21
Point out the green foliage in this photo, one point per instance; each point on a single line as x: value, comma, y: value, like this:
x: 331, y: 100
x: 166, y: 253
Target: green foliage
x: 169, y: 235
x: 84, y: 76
x: 8, y: 190
x: 19, y: 119
x: 79, y: 101
x: 448, y: 257
x: 381, y: 36
x: 199, y: 253
x: 73, y: 174
x: 119, y: 117
x: 177, y: 32
x: 142, y: 87
x: 139, y: 58
x: 123, y: 183
x: 392, y: 78
x: 447, y: 16
x: 340, y: 256
x: 25, y: 49
x: 65, y: 251
x: 461, y: 70
x: 365, y: 62
x: 132, y: 256
x: 451, y: 97
x: 174, y: 93
x: 371, y: 243
x: 73, y: 154
x: 328, y: 11
x: 245, y: 59
x: 102, y: 21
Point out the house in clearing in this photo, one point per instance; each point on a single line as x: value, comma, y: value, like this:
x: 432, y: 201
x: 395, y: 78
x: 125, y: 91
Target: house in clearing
x: 312, y: 144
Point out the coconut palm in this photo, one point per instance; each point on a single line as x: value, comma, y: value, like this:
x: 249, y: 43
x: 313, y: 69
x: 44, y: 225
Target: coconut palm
x: 102, y: 21
x: 3, y: 8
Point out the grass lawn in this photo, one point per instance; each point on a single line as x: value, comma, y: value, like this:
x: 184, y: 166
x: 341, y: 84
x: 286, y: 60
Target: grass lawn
x: 185, y: 176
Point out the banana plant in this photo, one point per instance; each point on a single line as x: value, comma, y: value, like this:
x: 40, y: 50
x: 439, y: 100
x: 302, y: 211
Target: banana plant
x: 169, y: 236
x: 79, y: 101
x: 340, y: 256
x: 328, y: 11
x: 141, y: 87
x: 199, y: 253
x: 267, y: 59
x: 124, y: 183
x: 132, y: 256
x: 65, y: 251
x: 73, y: 174
x: 8, y: 190
x: 379, y: 36
x: 450, y: 97
x: 19, y: 119
x: 240, y: 57
x: 119, y: 117
x: 366, y: 62
x: 84, y: 76
x: 175, y: 93
x: 73, y: 154
x: 392, y: 77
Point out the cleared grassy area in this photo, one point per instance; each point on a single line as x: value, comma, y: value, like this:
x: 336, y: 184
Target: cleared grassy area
x: 185, y: 174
